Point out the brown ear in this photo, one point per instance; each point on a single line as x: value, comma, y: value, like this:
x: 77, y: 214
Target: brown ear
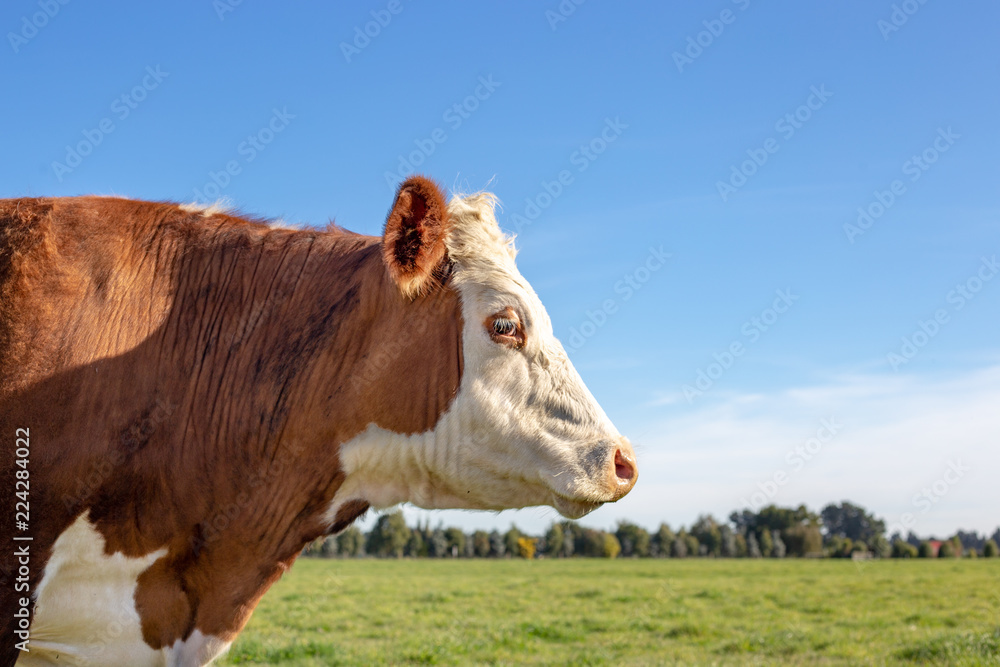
x: 413, y: 244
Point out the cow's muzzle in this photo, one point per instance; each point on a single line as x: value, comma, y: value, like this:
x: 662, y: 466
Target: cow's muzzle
x: 622, y: 471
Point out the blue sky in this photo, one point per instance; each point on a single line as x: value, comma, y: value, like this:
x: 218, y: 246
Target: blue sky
x: 646, y: 112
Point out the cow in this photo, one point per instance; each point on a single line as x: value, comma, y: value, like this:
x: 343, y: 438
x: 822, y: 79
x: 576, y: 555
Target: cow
x: 189, y: 397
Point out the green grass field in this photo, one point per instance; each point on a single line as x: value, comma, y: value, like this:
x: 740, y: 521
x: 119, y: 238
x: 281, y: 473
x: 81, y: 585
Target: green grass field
x: 627, y: 612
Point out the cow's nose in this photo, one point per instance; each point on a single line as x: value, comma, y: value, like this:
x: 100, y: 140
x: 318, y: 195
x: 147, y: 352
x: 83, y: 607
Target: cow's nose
x: 625, y: 470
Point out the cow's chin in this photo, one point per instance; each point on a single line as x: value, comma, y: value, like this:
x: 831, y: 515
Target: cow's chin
x: 573, y: 509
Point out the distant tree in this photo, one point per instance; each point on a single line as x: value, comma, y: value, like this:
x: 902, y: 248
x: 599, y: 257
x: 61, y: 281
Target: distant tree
x: 957, y: 547
x: 678, y: 548
x: 727, y: 543
x: 947, y: 550
x: 470, y: 547
x: 925, y: 550
x: 573, y: 541
x: 851, y: 521
x: 795, y: 525
x: 839, y: 547
x: 970, y: 541
x: 611, y: 547
x: 662, y: 540
x: 569, y: 545
x: 526, y: 547
x: 593, y: 543
x: 481, y: 543
x: 743, y: 548
x: 706, y: 531
x: 803, y: 540
x: 437, y: 545
x: 634, y: 539
x: 328, y: 547
x: 554, y: 540
x: 783, y: 518
x: 744, y: 521
x: 693, y: 545
x: 880, y: 547
x: 415, y: 547
x: 456, y: 541
x: 351, y: 542
x: 901, y: 549
x: 766, y: 543
x: 510, y: 539
x: 497, y: 545
x: 389, y: 536
x: 753, y: 546
x: 996, y: 537
x: 990, y: 549
x: 777, y: 545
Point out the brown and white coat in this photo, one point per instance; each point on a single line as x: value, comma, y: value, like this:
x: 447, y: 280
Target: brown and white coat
x: 206, y: 394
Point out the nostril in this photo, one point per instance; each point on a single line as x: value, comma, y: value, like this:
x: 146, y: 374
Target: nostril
x: 624, y: 467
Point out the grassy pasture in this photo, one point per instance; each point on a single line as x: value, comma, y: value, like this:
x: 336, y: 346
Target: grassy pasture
x: 627, y: 612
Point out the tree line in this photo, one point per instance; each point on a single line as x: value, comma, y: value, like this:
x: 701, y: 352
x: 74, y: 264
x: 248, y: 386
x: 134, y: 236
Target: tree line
x: 843, y: 530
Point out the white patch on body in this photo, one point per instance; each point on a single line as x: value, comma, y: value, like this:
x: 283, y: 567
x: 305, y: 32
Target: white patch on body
x: 85, y: 610
x: 207, y: 210
x: 198, y: 649
x: 224, y: 206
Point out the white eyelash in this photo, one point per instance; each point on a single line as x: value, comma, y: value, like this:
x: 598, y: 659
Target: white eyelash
x: 504, y: 323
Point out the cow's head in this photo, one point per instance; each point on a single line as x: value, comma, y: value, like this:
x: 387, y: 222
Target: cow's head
x: 522, y: 429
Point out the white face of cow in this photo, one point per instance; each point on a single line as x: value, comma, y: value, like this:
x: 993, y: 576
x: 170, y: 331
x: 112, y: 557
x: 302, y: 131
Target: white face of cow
x: 523, y: 428
x: 532, y: 433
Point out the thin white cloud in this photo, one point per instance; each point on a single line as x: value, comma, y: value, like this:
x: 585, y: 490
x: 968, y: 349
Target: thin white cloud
x: 896, y: 435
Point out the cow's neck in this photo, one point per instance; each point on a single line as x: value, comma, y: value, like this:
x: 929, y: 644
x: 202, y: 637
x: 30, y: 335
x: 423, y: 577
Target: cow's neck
x: 303, y: 342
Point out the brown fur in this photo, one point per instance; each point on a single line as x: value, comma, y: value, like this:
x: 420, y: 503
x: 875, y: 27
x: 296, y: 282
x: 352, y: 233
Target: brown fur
x: 187, y: 382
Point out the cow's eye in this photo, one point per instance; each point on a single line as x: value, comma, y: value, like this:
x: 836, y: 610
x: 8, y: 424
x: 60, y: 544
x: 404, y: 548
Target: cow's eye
x: 505, y: 328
